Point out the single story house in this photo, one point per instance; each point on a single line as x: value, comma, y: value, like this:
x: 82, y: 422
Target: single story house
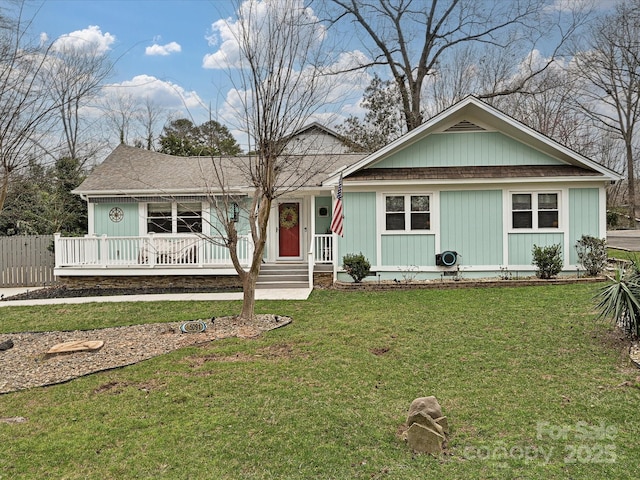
x: 470, y: 192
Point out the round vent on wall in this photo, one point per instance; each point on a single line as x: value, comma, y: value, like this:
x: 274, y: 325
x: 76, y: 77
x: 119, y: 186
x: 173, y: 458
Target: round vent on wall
x: 447, y: 258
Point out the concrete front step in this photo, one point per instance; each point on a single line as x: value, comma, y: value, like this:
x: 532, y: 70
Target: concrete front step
x: 283, y: 278
x: 284, y: 275
x: 294, y: 267
x: 276, y: 285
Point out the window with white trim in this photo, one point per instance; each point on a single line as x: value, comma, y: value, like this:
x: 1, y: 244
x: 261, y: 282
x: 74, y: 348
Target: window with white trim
x: 407, y: 212
x: 172, y: 217
x: 534, y: 210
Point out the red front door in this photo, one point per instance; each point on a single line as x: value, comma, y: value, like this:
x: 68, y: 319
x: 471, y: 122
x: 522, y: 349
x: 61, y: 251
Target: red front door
x: 289, y: 230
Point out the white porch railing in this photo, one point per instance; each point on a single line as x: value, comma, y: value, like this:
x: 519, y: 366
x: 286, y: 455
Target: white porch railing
x: 148, y: 251
x: 320, y: 251
x: 323, y: 248
x: 151, y: 251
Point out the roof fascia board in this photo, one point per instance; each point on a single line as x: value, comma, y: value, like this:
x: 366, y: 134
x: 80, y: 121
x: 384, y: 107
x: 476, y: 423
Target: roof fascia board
x: 477, y: 181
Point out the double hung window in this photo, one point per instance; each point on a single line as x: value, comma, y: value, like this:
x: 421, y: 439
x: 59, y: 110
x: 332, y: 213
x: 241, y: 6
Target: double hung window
x: 172, y: 217
x: 407, y: 212
x: 534, y: 210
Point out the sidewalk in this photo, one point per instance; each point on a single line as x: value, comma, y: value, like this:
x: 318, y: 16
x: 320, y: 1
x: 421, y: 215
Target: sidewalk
x: 266, y: 294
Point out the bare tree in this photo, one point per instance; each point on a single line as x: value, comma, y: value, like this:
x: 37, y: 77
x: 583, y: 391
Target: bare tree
x: 415, y: 39
x: 74, y: 77
x: 148, y: 119
x: 280, y: 85
x: 121, y: 109
x: 610, y: 69
x: 25, y: 105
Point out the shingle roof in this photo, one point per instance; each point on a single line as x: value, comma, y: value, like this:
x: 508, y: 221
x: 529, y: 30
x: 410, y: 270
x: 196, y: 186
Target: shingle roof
x: 135, y: 170
x: 484, y: 172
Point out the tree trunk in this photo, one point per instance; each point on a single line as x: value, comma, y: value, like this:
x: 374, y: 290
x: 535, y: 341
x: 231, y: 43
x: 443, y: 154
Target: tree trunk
x: 631, y: 187
x: 4, y: 188
x: 249, y: 295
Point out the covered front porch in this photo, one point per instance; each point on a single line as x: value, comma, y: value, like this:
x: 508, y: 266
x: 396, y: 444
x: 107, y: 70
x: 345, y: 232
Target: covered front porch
x: 153, y: 254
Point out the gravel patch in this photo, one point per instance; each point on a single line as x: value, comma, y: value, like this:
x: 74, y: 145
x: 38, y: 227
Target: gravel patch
x: 28, y: 365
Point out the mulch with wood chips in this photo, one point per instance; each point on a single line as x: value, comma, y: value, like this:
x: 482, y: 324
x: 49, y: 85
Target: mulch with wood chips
x: 28, y: 365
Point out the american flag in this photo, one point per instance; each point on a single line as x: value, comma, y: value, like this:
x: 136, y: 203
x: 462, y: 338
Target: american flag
x: 337, y: 224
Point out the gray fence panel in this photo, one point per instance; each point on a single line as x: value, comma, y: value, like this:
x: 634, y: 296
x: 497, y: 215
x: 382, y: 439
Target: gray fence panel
x: 26, y: 261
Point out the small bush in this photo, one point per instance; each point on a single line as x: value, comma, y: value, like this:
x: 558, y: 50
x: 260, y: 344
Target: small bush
x: 592, y: 254
x: 620, y: 301
x: 548, y: 260
x: 357, y: 266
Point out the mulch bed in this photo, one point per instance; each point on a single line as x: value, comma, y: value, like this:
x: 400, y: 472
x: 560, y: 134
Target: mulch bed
x: 27, y: 364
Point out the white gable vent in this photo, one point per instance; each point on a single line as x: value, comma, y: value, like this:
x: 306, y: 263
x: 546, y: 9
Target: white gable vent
x: 464, y: 126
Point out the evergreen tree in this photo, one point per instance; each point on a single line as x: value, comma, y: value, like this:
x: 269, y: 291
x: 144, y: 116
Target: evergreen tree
x: 184, y: 139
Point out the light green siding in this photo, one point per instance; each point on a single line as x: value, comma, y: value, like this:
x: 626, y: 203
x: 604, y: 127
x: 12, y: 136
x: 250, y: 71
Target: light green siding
x: 583, y: 217
x: 466, y: 149
x: 323, y: 224
x: 242, y: 225
x: 471, y: 224
x: 408, y: 250
x: 521, y: 245
x: 359, y: 226
x: 127, y: 227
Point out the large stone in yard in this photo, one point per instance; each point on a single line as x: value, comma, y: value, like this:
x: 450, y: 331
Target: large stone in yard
x: 427, y: 405
x: 76, y: 346
x: 444, y: 423
x: 425, y: 420
x: 424, y: 440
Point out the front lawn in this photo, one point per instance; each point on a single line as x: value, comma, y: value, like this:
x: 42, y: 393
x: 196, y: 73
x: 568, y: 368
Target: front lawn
x: 532, y: 386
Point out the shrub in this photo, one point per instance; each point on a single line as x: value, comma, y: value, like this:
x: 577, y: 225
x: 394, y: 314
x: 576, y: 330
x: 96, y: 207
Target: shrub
x: 357, y: 266
x: 592, y: 254
x: 620, y: 301
x: 548, y: 260
x: 612, y: 219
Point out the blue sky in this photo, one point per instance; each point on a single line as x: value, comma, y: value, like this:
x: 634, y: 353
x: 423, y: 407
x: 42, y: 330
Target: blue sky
x: 139, y: 25
x: 160, y: 47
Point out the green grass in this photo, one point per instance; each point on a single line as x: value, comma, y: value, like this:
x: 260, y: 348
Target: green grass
x: 622, y: 254
x: 517, y: 371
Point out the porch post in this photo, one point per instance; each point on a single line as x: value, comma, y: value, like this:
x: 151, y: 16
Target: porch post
x: 57, y: 249
x: 104, y: 250
x: 312, y: 243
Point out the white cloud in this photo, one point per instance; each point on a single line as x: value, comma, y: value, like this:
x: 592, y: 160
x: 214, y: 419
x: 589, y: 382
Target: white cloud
x: 163, y: 50
x: 577, y: 5
x: 226, y: 32
x: 163, y: 93
x: 91, y: 38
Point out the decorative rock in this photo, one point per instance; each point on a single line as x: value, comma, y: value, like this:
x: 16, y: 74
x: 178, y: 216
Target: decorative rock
x: 427, y: 405
x: 444, y: 423
x: 6, y: 345
x: 424, y: 440
x: 426, y: 421
x: 427, y: 426
x: 76, y: 346
x: 13, y: 420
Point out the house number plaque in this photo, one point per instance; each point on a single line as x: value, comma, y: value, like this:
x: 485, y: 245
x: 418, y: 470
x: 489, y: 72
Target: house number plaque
x: 116, y: 214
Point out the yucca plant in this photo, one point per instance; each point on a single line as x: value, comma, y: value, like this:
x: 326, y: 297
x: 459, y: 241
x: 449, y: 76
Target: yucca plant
x: 620, y: 300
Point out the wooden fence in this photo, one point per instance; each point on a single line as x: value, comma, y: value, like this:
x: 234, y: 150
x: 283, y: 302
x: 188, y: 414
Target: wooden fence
x: 26, y: 261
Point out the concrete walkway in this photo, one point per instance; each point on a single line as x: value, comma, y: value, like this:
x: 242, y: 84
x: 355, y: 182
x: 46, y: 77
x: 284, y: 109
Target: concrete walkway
x: 266, y: 294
